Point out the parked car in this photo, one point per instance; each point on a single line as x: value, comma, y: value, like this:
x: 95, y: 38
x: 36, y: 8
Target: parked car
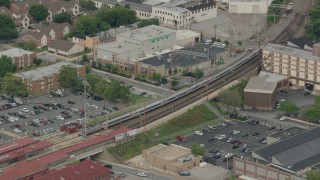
x: 142, y: 174
x: 283, y: 118
x: 198, y: 133
x: 70, y: 102
x: 181, y: 138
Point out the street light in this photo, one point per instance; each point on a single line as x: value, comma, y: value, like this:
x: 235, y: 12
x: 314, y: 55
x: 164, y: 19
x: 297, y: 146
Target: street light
x: 85, y: 83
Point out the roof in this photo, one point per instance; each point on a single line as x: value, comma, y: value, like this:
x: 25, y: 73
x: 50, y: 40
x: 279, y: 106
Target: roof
x: 86, y: 169
x: 137, y: 6
x: 298, y: 152
x: 184, y: 34
x: 271, y: 77
x: 15, y: 52
x: 287, y: 133
x: 35, y: 35
x: 41, y: 72
x: 62, y: 45
x: 147, y: 33
x: 45, y: 28
x: 295, y: 52
x: 16, y: 145
x: 112, y: 2
x: 116, y: 47
x: 184, y: 57
x: 171, y: 152
x: 300, y: 42
x: 259, y: 84
x: 174, y: 9
x: 195, y: 5
x: 22, y: 169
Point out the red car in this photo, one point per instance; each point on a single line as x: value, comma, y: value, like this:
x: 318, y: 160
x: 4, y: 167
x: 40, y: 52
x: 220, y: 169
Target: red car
x: 181, y: 138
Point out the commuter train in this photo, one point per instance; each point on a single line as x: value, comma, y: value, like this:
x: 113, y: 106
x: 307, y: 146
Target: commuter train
x: 180, y: 94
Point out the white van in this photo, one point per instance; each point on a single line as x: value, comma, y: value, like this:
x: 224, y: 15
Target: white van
x: 208, y: 42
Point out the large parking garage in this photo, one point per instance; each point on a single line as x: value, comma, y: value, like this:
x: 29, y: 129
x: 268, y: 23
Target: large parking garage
x: 229, y: 139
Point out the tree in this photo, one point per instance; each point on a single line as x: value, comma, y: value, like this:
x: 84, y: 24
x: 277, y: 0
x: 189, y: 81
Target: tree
x: 112, y: 90
x: 5, y: 3
x: 175, y: 70
x: 115, y: 17
x: 7, y: 28
x: 197, y: 149
x: 185, y: 72
x: 218, y: 40
x: 148, y: 22
x: 68, y: 78
x: 230, y: 98
x: 213, y: 39
x: 198, y: 73
x: 88, y: 69
x: 94, y: 64
x: 156, y: 77
x: 87, y: 5
x: 239, y: 43
x: 313, y: 175
x: 170, y: 71
x: 14, y: 87
x: 62, y: 17
x: 174, y: 81
x: 37, y: 61
x: 317, y: 100
x: 92, y: 80
x: 288, y: 107
x: 6, y: 66
x: 227, y: 42
x: 85, y: 58
x: 86, y: 25
x: 39, y: 12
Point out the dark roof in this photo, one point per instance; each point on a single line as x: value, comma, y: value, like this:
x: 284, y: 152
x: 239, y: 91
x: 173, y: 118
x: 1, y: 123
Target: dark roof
x: 301, y: 41
x: 137, y: 6
x: 195, y: 5
x: 287, y: 133
x: 62, y: 45
x: 184, y: 57
x: 300, y: 149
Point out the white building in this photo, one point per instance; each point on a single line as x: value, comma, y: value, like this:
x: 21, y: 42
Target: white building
x: 149, y: 39
x: 201, y: 10
x: 172, y: 16
x: 249, y: 6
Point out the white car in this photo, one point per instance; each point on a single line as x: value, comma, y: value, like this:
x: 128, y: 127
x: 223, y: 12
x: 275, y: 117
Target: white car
x: 228, y: 155
x: 54, y: 103
x: 26, y: 110
x: 13, y: 104
x: 222, y: 136
x: 283, y: 118
x: 17, y: 130
x: 59, y: 118
x: 264, y: 141
x: 202, y: 145
x: 142, y: 174
x: 94, y: 106
x: 235, y: 132
x: 198, y: 133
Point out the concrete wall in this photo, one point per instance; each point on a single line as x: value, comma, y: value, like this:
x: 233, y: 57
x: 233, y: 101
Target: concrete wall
x: 171, y: 17
x: 203, y: 14
x: 260, y: 101
x: 245, y: 7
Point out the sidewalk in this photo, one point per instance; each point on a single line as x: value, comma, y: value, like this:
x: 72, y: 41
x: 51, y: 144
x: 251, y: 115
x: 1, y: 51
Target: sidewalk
x: 10, y: 134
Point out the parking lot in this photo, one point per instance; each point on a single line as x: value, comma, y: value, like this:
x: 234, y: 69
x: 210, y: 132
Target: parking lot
x: 245, y: 138
x: 45, y: 114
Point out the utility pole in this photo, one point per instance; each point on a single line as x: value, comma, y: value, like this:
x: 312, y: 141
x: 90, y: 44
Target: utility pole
x: 215, y: 32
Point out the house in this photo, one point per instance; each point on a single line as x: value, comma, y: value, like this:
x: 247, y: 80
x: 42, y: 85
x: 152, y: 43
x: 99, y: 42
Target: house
x: 54, y: 30
x: 86, y: 41
x: 104, y: 3
x: 40, y: 39
x: 20, y: 20
x: 21, y: 58
x: 65, y: 48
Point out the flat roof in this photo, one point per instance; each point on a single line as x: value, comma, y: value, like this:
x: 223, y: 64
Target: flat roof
x: 184, y: 34
x: 41, y: 72
x: 259, y: 84
x: 147, y: 33
x: 287, y: 133
x: 172, y: 8
x: 298, y: 152
x: 16, y: 145
x: 116, y: 47
x: 184, y: 57
x: 272, y: 77
x: 171, y: 152
x: 15, y: 52
x: 22, y: 169
x: 137, y: 6
x: 291, y: 51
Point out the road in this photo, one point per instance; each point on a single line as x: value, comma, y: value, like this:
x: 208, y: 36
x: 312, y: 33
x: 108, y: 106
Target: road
x: 138, y: 84
x: 131, y: 172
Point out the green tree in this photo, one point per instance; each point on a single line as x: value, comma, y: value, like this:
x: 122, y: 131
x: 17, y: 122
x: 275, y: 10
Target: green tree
x: 227, y: 42
x: 213, y: 39
x: 239, y: 43
x: 175, y: 70
x: 5, y: 3
x: 14, y: 87
x: 87, y: 5
x: 62, y: 17
x: 115, y: 17
x: 39, y: 12
x: 218, y: 40
x: 148, y: 22
x: 185, y: 72
x: 68, y: 78
x: 37, y: 61
x: 198, y: 73
x: 94, y: 64
x: 288, y: 107
x: 313, y: 175
x: 7, y: 28
x: 6, y: 66
x: 197, y: 149
x: 230, y: 98
x: 85, y: 58
x: 156, y: 77
x: 88, y: 69
x: 92, y: 80
x: 317, y: 100
x: 85, y: 25
x: 174, y: 81
x: 112, y: 90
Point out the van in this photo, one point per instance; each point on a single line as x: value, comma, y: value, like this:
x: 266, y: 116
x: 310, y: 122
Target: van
x: 208, y: 42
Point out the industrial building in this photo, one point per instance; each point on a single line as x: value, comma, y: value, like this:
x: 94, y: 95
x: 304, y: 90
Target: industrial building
x: 45, y: 79
x: 171, y: 158
x: 249, y: 6
x: 301, y: 66
x: 260, y: 92
x: 281, y: 135
x: 21, y: 58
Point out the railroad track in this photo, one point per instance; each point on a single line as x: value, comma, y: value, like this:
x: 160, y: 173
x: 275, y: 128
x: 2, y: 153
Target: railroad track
x: 190, y: 98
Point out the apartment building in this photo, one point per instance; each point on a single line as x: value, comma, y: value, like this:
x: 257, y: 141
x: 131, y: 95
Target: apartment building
x: 301, y: 66
x: 45, y: 79
x: 172, y: 16
x: 21, y: 58
x: 201, y: 10
x: 86, y: 41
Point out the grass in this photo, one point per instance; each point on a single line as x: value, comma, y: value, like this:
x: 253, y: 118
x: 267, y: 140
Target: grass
x: 313, y: 114
x: 184, y: 124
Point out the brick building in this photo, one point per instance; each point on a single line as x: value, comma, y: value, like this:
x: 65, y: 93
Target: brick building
x: 21, y: 58
x: 45, y: 79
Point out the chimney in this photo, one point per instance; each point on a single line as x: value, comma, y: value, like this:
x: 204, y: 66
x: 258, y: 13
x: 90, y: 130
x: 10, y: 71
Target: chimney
x: 316, y: 49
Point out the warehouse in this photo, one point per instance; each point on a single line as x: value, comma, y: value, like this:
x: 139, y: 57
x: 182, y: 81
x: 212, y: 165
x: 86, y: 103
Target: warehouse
x: 249, y: 6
